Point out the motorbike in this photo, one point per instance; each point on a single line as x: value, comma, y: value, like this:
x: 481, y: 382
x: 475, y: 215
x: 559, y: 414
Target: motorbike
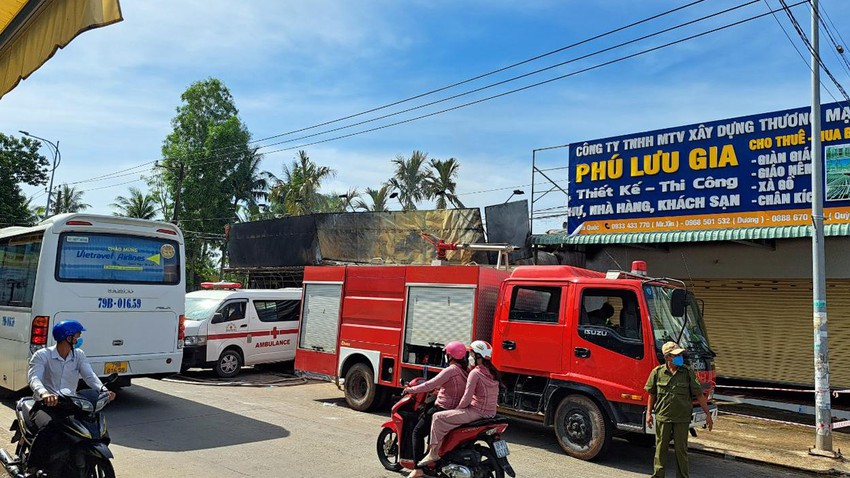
x: 473, y: 450
x: 79, y: 427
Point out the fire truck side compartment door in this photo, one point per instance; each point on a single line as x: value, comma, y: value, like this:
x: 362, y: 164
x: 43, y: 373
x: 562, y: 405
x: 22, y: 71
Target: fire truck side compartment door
x: 317, y: 339
x: 531, y: 329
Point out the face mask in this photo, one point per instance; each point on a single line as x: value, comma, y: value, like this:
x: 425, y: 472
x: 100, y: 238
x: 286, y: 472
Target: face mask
x: 78, y: 343
x: 471, y: 360
x: 678, y: 360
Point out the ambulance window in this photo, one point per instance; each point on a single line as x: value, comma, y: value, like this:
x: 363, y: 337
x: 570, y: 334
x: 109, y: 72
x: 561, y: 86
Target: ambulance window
x: 277, y: 310
x: 234, y: 310
x: 535, y: 304
x: 610, y: 318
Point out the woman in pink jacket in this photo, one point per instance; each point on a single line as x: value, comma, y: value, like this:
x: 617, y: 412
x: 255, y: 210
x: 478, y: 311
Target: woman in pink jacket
x: 451, y: 382
x: 478, y: 401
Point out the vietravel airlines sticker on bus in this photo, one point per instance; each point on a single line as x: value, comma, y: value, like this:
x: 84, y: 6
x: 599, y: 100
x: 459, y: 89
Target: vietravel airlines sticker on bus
x: 750, y: 171
x: 118, y: 258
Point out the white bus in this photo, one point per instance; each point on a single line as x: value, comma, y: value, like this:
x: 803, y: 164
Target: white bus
x: 122, y: 278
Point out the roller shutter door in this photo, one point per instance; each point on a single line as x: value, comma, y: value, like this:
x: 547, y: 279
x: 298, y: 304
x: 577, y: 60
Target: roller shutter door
x: 320, y: 324
x: 439, y: 315
x: 762, y: 329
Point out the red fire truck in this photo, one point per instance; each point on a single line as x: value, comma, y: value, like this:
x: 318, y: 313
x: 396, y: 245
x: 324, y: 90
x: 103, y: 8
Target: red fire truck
x: 574, y: 346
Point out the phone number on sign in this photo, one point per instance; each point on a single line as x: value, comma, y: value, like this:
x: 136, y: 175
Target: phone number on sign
x: 122, y: 303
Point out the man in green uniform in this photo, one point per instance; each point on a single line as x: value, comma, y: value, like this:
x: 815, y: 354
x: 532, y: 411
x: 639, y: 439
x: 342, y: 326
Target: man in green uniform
x: 672, y: 388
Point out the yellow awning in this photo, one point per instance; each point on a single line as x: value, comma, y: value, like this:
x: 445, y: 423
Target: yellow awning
x: 32, y: 30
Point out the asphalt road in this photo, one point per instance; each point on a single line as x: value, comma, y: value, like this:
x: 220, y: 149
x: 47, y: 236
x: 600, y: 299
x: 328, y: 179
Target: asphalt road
x: 162, y: 428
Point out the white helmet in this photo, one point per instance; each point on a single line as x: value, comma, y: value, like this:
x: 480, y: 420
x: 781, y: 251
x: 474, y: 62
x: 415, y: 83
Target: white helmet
x: 482, y: 348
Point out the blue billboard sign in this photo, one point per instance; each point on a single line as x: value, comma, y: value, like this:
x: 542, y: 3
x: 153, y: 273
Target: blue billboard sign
x: 750, y: 171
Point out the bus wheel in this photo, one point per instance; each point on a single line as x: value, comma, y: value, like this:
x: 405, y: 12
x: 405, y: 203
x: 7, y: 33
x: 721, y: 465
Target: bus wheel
x: 360, y: 387
x: 581, y: 427
x: 228, y: 364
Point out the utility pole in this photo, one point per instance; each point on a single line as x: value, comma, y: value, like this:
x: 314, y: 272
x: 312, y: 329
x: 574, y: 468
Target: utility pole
x: 175, y: 214
x: 57, y: 159
x: 823, y: 415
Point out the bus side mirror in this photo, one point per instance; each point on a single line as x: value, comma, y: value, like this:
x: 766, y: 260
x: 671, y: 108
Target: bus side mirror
x: 678, y: 302
x: 217, y: 317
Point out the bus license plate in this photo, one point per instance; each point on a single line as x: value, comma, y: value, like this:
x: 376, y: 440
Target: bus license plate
x: 115, y: 367
x: 501, y: 448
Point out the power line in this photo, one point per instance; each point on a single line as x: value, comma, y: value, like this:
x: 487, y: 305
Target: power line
x: 533, y: 85
x: 793, y: 44
x: 443, y: 88
x: 808, y: 44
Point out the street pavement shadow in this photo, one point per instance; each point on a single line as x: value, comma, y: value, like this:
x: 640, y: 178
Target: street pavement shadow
x: 150, y: 420
x: 621, y: 455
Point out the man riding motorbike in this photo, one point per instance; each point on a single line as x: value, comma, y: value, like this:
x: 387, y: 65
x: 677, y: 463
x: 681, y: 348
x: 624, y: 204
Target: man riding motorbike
x: 451, y: 382
x: 55, y: 368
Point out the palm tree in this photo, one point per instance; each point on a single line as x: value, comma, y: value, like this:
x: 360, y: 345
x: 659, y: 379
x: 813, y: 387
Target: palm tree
x: 137, y: 205
x: 379, y: 199
x: 249, y: 184
x: 298, y: 192
x: 409, y: 179
x: 68, y: 199
x: 441, y: 184
x: 347, y: 199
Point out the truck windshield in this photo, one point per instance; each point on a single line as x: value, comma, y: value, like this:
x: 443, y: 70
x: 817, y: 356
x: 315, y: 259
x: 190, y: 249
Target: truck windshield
x: 200, y: 309
x: 666, y: 327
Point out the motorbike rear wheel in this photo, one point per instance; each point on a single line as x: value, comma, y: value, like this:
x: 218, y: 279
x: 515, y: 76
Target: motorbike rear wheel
x: 388, y: 451
x: 99, y: 468
x: 489, y: 467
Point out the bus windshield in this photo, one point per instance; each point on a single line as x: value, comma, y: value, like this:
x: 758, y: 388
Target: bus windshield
x: 667, y: 327
x: 117, y: 258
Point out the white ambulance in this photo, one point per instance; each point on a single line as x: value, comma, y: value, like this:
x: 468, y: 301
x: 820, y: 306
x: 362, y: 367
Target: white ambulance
x: 228, y: 327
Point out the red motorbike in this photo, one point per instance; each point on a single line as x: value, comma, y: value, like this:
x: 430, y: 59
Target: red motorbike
x: 474, y: 450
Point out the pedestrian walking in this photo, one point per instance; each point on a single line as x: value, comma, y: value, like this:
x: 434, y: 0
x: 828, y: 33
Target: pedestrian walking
x: 672, y: 389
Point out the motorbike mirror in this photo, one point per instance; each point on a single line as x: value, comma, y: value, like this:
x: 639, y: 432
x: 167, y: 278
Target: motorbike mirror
x: 111, y: 378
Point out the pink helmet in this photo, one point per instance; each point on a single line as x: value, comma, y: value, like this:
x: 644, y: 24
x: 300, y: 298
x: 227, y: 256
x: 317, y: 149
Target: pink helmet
x: 456, y: 350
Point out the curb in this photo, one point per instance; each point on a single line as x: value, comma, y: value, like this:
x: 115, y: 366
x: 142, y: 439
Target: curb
x: 733, y: 457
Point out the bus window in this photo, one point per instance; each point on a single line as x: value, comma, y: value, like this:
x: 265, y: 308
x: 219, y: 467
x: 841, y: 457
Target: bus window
x: 117, y: 258
x: 18, y: 266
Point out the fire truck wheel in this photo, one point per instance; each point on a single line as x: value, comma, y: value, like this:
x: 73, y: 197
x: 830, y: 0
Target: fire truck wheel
x: 228, y: 364
x: 360, y: 387
x: 581, y: 427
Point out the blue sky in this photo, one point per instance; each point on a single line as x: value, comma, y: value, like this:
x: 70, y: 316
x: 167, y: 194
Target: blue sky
x: 109, y: 96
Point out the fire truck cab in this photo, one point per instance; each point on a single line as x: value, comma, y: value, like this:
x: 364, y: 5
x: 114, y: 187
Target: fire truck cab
x: 574, y: 346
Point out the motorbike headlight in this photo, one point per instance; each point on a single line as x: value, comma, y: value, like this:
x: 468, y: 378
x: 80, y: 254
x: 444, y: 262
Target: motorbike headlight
x: 82, y: 404
x: 195, y: 340
x: 101, y: 403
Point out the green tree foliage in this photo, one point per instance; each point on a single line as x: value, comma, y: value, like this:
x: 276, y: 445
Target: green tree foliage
x: 19, y: 163
x: 137, y: 204
x: 379, y: 197
x: 410, y: 178
x: 67, y: 199
x: 441, y: 184
x: 209, y: 164
x: 297, y: 193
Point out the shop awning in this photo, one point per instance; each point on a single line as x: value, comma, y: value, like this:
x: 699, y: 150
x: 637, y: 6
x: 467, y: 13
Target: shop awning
x: 746, y: 234
x: 32, y: 30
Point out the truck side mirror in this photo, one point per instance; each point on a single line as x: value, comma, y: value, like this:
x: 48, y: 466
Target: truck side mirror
x: 217, y: 317
x: 678, y: 302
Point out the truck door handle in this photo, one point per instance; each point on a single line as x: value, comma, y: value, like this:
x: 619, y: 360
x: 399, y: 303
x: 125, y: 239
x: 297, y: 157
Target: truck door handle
x: 508, y: 345
x: 243, y: 326
x: 582, y: 352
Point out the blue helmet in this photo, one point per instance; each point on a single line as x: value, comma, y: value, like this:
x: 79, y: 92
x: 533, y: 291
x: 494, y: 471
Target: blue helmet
x: 66, y: 328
